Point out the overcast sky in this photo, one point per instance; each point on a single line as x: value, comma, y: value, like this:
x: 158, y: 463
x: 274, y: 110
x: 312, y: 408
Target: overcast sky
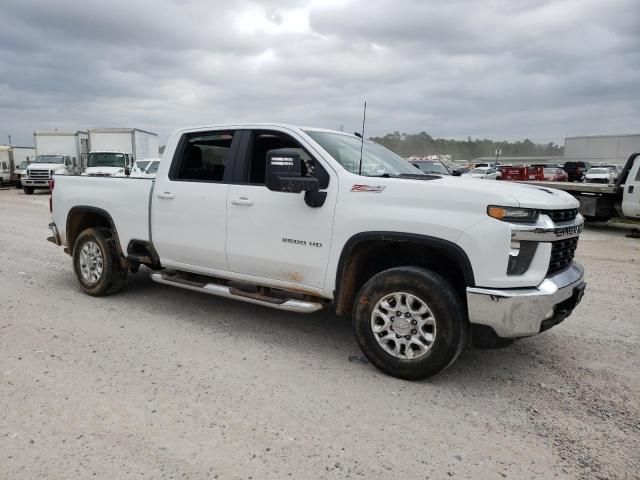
x: 502, y: 69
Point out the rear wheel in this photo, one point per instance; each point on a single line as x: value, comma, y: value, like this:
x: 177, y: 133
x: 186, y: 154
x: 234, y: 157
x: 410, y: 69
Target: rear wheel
x: 410, y: 322
x: 97, y: 264
x: 28, y: 190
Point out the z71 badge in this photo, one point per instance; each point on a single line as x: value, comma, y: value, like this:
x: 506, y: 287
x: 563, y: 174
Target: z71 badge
x: 368, y: 188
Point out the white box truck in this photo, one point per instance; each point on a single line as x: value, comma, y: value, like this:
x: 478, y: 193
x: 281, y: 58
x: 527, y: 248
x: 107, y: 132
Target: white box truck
x: 13, y: 162
x: 57, y: 152
x: 113, y: 151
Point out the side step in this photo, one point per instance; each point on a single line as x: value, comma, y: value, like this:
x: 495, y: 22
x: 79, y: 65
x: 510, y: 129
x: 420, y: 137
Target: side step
x: 212, y: 288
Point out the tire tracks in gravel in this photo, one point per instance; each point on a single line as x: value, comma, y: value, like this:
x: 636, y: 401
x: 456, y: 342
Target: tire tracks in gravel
x: 595, y: 432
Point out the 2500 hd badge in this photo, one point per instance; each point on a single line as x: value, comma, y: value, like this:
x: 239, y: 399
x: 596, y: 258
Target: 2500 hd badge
x: 301, y: 242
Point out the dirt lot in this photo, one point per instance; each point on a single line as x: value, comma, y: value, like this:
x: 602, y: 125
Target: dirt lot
x: 158, y: 382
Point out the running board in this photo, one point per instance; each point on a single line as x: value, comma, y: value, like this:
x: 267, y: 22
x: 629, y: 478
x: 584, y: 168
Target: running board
x: 291, y: 305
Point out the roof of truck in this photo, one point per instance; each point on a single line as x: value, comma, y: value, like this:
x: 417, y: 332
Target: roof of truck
x: 58, y: 132
x: 259, y: 125
x: 120, y: 130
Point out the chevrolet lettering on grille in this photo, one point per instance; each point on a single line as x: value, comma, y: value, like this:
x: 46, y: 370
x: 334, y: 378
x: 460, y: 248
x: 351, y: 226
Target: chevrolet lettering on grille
x: 567, y: 231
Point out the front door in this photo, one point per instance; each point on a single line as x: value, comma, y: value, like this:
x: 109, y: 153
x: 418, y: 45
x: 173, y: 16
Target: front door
x: 189, y: 211
x: 631, y: 195
x: 275, y: 235
x: 5, y: 174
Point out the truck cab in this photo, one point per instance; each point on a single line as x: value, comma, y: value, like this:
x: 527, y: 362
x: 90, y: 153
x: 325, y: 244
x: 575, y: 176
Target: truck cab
x: 5, y: 172
x: 109, y: 164
x: 43, y: 168
x: 629, y: 184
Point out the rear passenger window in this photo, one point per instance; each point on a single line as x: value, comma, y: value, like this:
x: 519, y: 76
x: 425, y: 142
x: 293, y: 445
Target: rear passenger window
x: 204, y: 157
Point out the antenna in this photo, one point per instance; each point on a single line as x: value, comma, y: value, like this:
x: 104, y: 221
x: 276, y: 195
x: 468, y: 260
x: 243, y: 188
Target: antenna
x: 364, y: 118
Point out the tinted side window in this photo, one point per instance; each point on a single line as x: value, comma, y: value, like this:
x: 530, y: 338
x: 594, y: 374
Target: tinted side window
x: 204, y: 156
x: 262, y: 142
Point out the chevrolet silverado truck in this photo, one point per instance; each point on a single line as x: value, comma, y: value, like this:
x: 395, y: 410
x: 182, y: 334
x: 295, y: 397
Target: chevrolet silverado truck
x: 303, y: 219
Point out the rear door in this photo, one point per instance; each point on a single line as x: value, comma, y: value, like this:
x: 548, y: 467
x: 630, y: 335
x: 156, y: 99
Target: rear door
x: 276, y: 235
x: 189, y: 204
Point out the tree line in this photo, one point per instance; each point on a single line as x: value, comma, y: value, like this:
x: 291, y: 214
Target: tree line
x: 423, y: 144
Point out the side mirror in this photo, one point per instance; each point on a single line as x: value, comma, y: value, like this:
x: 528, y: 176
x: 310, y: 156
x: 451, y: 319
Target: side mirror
x: 284, y: 172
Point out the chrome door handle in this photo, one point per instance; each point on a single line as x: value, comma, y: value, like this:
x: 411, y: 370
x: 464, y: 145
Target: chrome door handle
x: 168, y: 195
x: 242, y: 201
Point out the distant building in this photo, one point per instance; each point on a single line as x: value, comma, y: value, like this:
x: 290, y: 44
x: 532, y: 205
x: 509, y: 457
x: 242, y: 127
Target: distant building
x: 614, y: 149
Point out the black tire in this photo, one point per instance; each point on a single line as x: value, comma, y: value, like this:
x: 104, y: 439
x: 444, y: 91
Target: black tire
x: 113, y: 277
x: 28, y: 190
x: 452, y: 327
x: 18, y: 185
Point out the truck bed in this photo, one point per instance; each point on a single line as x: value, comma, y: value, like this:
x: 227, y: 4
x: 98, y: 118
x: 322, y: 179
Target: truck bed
x: 126, y: 200
x: 576, y: 187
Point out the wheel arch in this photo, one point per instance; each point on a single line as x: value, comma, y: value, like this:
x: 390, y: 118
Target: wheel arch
x: 368, y: 253
x: 82, y: 217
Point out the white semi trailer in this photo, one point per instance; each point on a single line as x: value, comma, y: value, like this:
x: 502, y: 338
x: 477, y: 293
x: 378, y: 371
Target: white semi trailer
x: 114, y: 150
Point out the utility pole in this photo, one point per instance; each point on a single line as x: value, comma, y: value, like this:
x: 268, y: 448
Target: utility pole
x: 498, y: 153
x: 9, y: 139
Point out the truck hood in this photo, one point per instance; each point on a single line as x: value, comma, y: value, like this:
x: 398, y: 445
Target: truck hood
x: 523, y: 195
x: 105, y: 171
x: 479, y: 193
x: 46, y: 166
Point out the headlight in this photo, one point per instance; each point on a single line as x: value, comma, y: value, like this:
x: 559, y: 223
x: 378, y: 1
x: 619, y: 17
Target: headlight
x: 513, y: 214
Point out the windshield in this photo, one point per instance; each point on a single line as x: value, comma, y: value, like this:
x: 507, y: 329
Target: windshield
x: 598, y: 170
x: 106, y: 159
x: 49, y: 159
x: 479, y: 170
x: 431, y: 167
x: 376, y: 160
x: 153, y: 167
x: 23, y: 165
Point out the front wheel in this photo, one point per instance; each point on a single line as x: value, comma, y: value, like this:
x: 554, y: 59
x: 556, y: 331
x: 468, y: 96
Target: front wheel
x: 410, y: 322
x: 28, y: 190
x: 96, y: 263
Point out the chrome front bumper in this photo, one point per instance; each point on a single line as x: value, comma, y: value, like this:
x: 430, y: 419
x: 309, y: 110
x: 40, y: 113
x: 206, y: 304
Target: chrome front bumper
x: 521, y: 312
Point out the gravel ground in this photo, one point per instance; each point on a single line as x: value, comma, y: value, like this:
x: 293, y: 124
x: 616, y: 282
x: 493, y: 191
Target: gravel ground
x: 158, y: 382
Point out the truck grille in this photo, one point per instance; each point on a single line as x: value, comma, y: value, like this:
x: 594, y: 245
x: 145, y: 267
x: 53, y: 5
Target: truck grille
x: 562, y: 253
x: 39, y: 174
x: 598, y: 180
x: 559, y: 216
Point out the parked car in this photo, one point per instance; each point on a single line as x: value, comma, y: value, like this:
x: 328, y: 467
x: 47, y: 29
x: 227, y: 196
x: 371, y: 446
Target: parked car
x: 431, y: 166
x: 555, y: 175
x: 489, y: 173
x: 601, y: 175
x: 521, y: 173
x: 576, y: 170
x: 145, y: 168
x: 458, y: 171
x: 301, y: 219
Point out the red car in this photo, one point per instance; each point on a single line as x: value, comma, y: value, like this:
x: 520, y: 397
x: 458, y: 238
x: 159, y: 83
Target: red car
x: 555, y: 175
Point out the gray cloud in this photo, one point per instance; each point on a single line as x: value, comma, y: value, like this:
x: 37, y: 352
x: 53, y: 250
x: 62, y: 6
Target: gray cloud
x: 505, y: 69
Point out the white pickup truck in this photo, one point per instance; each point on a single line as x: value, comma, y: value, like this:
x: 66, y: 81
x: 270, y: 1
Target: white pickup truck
x: 301, y: 219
